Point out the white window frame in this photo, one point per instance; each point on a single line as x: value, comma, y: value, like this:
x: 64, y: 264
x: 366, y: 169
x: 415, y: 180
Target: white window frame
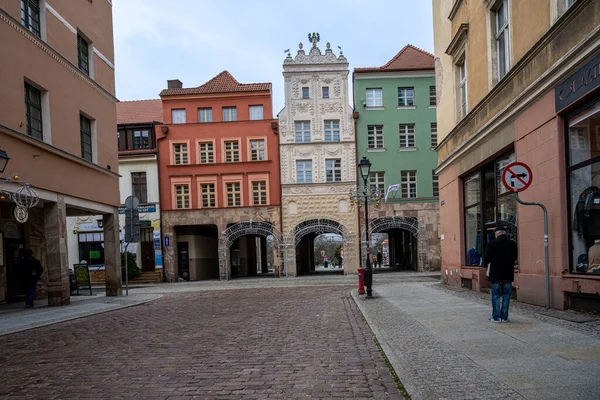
x: 323, y: 90
x: 463, y: 89
x: 435, y: 184
x: 257, y: 149
x: 432, y: 96
x: 205, y: 115
x: 407, y: 136
x: 232, y: 151
x: 305, y: 92
x: 304, y: 170
x: 178, y: 116
x: 180, y: 157
x: 229, y: 114
x: 375, y: 137
x: 374, y: 97
x: 332, y: 130
x: 434, y: 136
x: 405, y: 96
x: 302, y: 131
x: 501, y: 31
x: 184, y: 196
x: 259, y: 191
x: 206, y: 153
x: 377, y: 182
x: 208, y: 197
x: 256, y: 113
x: 333, y: 170
x: 577, y: 138
x: 233, y: 190
x: 408, y: 184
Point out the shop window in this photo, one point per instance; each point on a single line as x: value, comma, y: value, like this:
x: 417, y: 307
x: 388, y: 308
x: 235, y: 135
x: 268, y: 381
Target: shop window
x: 488, y: 206
x: 91, y: 248
x: 583, y: 129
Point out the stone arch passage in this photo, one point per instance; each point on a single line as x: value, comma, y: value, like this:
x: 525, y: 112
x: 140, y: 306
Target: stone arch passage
x: 409, y: 224
x: 239, y: 229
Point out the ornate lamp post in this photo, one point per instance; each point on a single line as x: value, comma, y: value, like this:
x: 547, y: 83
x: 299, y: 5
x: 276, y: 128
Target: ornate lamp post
x: 365, y: 194
x: 4, y: 158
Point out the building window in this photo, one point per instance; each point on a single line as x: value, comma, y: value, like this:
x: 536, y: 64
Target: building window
x: 234, y: 194
x: 259, y: 193
x: 462, y: 76
x: 305, y: 92
x: 406, y: 97
x: 583, y: 160
x: 333, y: 170
x: 180, y: 153
x: 182, y: 196
x: 432, y: 96
x: 303, y: 171
x: 83, y: 54
x: 30, y: 15
x: 434, y: 141
x: 208, y: 195
x: 139, y: 186
x: 229, y: 114
x: 207, y: 155
x: 569, y: 3
x: 325, y: 92
x: 178, y: 116
x: 141, y: 139
x: 257, y: 150
x: 204, y: 115
x: 91, y: 247
x: 407, y: 135
x: 502, y: 38
x: 436, y: 184
x: 488, y: 206
x: 409, y: 184
x: 33, y: 112
x: 85, y: 131
x: 302, y: 131
x: 232, y: 151
x: 256, y: 113
x: 376, y: 180
x: 332, y: 130
x: 375, y: 136
x: 375, y: 97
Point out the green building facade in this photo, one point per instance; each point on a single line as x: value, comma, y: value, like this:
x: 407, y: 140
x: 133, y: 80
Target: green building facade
x: 396, y: 130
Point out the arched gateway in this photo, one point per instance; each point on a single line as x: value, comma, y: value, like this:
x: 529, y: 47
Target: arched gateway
x: 409, y: 224
x: 238, y: 230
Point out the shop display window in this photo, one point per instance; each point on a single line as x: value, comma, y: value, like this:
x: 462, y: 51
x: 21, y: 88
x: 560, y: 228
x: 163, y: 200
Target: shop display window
x: 583, y: 143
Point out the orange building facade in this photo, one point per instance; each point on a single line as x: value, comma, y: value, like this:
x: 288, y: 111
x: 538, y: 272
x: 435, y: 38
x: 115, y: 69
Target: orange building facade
x: 219, y: 180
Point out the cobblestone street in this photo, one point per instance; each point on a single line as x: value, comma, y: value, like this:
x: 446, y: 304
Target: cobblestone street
x: 305, y: 342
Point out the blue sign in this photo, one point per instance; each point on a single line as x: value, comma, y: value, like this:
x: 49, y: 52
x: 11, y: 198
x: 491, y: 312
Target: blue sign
x: 148, y: 208
x: 167, y: 241
x: 157, y: 243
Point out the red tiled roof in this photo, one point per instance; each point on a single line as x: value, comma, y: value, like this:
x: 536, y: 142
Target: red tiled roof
x: 222, y: 83
x: 139, y: 111
x: 410, y: 58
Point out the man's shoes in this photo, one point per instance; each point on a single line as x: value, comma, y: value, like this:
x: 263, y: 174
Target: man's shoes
x: 28, y: 305
x: 505, y: 320
x: 494, y: 320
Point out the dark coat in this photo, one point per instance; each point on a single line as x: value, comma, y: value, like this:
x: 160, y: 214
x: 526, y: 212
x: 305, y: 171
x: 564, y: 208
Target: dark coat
x: 502, y: 254
x: 32, y: 268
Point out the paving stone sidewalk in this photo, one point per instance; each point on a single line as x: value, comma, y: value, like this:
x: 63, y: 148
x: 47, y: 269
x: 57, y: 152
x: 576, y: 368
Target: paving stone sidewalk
x: 443, y: 347
x: 282, y: 343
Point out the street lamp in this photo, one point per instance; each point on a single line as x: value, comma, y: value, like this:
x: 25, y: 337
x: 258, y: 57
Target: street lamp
x: 3, y: 160
x: 365, y: 168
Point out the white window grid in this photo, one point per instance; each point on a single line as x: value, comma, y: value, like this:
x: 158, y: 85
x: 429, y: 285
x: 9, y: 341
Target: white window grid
x: 180, y: 153
x: 178, y: 116
x: 375, y: 97
x: 502, y: 39
x: 232, y: 151
x: 409, y: 184
x: 333, y: 170
x: 434, y: 137
x: 377, y: 182
x: 303, y: 171
x: 234, y: 195
x: 406, y: 97
x: 182, y: 195
x: 229, y: 114
x: 305, y: 92
x: 207, y: 155
x: 302, y: 131
x: 208, y: 195
x: 259, y: 193
x: 407, y: 135
x: 577, y: 137
x: 205, y: 115
x: 257, y: 150
x: 332, y: 130
x: 375, y: 136
x: 432, y: 96
x: 86, y: 237
x: 435, y: 183
x: 462, y: 68
x: 256, y: 113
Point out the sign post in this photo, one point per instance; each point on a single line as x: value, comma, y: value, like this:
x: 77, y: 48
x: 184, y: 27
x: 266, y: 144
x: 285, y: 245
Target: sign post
x: 132, y: 231
x: 517, y: 177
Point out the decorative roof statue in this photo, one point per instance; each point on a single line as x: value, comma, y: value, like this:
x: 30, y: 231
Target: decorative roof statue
x: 314, y: 38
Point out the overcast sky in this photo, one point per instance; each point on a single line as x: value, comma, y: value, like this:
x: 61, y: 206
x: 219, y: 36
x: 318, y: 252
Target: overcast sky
x: 194, y: 40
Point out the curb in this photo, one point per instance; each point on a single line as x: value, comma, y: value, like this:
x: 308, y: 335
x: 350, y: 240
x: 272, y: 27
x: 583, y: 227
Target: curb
x: 403, y: 375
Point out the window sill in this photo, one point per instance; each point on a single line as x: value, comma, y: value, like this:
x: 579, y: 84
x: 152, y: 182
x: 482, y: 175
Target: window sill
x: 408, y: 149
x: 374, y: 108
x: 406, y: 107
x: 377, y: 150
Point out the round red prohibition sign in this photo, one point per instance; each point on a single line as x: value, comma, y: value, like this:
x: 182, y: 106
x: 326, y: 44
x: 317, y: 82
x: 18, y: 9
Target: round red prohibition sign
x: 517, y: 177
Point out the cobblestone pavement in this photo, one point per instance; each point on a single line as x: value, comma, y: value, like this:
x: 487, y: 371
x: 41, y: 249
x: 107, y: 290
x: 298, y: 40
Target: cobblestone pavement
x: 305, y: 342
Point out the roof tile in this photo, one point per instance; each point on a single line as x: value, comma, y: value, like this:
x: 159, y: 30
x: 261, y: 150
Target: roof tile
x: 222, y: 83
x: 139, y: 111
x: 410, y: 58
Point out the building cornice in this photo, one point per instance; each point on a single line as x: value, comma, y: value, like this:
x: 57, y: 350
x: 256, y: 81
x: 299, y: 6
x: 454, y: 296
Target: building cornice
x: 455, y: 7
x: 10, y: 21
x: 458, y: 40
x: 394, y: 74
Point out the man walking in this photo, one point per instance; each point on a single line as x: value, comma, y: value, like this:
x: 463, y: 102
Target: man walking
x: 33, y: 271
x: 501, y: 254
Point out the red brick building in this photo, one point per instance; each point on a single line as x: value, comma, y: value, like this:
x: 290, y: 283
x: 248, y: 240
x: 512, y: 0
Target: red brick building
x: 219, y: 179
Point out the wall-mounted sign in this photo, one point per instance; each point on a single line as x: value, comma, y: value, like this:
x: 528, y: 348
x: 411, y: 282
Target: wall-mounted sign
x: 148, y: 208
x: 578, y: 85
x: 145, y: 223
x: 21, y: 214
x: 95, y: 254
x: 167, y: 241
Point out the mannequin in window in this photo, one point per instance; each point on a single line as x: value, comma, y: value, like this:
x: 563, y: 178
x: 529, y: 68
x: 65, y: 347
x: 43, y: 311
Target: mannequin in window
x: 594, y: 258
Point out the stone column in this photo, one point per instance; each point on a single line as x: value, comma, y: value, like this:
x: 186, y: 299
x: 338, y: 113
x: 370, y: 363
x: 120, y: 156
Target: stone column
x: 112, y: 254
x: 57, y: 264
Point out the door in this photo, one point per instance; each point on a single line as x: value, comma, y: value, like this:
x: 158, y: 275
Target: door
x: 183, y: 260
x: 16, y: 281
x: 147, y: 244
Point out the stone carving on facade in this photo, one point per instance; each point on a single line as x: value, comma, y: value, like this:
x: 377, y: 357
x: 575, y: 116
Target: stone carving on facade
x: 331, y: 108
x: 439, y: 79
x: 337, y: 89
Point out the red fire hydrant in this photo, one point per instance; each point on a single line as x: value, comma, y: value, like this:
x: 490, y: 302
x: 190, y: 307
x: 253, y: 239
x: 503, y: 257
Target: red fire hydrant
x: 361, y: 281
